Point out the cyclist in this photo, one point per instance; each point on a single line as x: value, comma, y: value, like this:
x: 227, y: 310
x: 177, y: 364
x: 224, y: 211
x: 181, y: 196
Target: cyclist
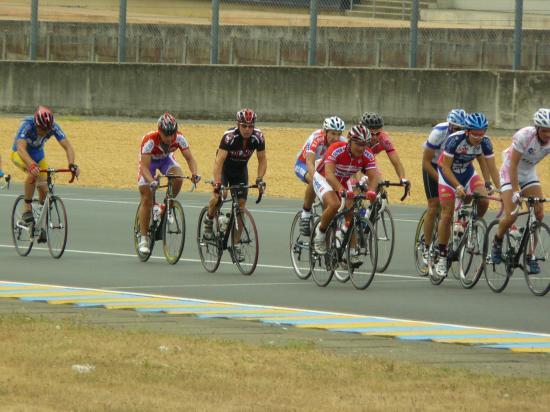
x: 29, y: 156
x: 1, y: 171
x: 432, y: 150
x: 380, y: 141
x: 157, y: 153
x: 518, y: 176
x: 332, y: 180
x: 231, y: 165
x: 457, y: 176
x: 315, y: 147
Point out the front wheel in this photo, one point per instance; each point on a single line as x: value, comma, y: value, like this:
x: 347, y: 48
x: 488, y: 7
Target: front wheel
x: 244, y: 242
x: 144, y: 257
x: 21, y: 232
x: 209, y: 245
x: 498, y: 275
x: 56, y: 227
x: 299, y: 249
x: 363, y: 255
x: 537, y: 254
x: 173, y: 229
x: 418, y: 247
x: 322, y: 266
x: 385, y: 232
x: 471, y: 260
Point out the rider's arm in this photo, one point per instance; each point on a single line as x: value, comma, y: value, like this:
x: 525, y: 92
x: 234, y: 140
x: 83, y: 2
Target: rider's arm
x: 331, y: 177
x: 218, y: 164
x: 493, y: 171
x: 310, y: 163
x: 427, y: 163
x: 262, y: 163
x: 514, y: 163
x: 445, y: 165
x: 68, y: 147
x: 191, y: 162
x: 397, y: 165
x: 22, y: 151
x: 145, y: 163
x: 373, y: 175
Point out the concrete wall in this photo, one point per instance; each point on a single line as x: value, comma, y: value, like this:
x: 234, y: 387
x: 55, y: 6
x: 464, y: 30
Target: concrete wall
x: 529, y: 6
x: 403, y: 96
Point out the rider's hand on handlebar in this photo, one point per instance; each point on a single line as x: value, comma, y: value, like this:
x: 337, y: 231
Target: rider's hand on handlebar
x: 490, y: 188
x: 217, y: 187
x: 195, y: 178
x: 154, y: 184
x: 370, y: 195
x: 346, y: 194
x: 34, y: 169
x: 516, y: 197
x: 405, y: 182
x: 75, y: 170
x: 460, y: 191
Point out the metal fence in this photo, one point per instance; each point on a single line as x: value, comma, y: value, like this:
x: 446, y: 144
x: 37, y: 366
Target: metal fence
x: 356, y: 33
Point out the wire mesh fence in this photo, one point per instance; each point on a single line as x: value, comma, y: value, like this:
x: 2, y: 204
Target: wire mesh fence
x: 351, y: 33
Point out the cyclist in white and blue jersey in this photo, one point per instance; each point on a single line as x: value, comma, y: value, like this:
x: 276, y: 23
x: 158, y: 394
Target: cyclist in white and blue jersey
x: 457, y: 176
x: 432, y: 150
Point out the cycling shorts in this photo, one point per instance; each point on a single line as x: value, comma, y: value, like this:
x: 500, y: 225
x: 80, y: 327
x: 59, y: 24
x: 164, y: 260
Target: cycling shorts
x: 237, y: 179
x: 469, y: 180
x: 300, y: 169
x: 17, y: 161
x: 430, y: 185
x: 162, y: 165
x: 526, y: 178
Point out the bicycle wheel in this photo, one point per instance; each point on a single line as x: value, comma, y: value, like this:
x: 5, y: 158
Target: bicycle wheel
x: 245, y: 247
x: 385, y: 232
x: 144, y: 257
x: 497, y: 276
x: 21, y: 233
x: 538, y: 248
x: 299, y: 249
x: 323, y: 266
x: 433, y: 255
x: 56, y: 226
x: 418, y: 247
x: 210, y: 248
x: 364, y: 252
x: 471, y: 260
x: 173, y: 229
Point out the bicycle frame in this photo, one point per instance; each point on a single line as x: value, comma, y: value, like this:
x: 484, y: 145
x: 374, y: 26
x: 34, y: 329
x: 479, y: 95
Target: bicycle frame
x: 380, y: 203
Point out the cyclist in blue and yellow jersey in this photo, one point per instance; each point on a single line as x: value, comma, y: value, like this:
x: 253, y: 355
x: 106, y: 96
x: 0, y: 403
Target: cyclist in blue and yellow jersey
x: 28, y: 153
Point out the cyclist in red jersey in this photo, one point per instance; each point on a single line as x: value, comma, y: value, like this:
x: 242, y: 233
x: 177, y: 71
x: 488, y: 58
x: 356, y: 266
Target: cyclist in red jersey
x: 380, y: 141
x: 331, y: 181
x: 157, y: 153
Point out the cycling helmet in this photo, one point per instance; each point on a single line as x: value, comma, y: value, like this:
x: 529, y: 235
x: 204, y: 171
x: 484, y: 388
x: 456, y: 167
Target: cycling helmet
x: 167, y: 124
x: 246, y: 116
x: 542, y: 118
x: 359, y: 133
x: 43, y: 118
x: 457, y: 117
x: 334, y: 123
x: 372, y: 120
x: 476, y: 121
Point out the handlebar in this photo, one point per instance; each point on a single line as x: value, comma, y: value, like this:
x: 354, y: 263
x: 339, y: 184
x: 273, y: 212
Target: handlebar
x: 530, y: 201
x: 260, y: 187
x: 51, y: 171
x: 387, y: 183
x: 171, y: 177
x: 7, y: 179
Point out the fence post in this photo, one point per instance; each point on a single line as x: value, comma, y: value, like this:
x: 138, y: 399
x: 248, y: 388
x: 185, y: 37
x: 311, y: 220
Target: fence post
x: 215, y: 32
x: 482, y: 53
x: 92, y: 49
x: 122, y: 31
x: 34, y: 29
x: 327, y: 53
x: 536, y: 56
x: 517, y: 34
x: 184, y: 52
x: 48, y: 46
x: 429, y: 55
x: 4, y: 44
x: 279, y: 52
x: 138, y: 48
x: 378, y: 52
x: 312, y: 52
x: 414, y: 34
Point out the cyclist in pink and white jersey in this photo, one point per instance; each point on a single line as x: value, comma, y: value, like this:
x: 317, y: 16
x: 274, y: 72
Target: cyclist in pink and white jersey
x: 518, y: 176
x: 331, y: 181
x: 380, y: 141
x: 312, y: 151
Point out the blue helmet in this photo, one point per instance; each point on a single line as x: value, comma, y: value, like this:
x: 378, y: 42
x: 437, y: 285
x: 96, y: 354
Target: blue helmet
x: 476, y: 121
x: 457, y: 117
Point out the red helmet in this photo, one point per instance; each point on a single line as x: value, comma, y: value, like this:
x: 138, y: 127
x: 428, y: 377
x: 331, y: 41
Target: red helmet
x: 246, y: 116
x: 43, y: 118
x: 167, y: 124
x: 359, y: 133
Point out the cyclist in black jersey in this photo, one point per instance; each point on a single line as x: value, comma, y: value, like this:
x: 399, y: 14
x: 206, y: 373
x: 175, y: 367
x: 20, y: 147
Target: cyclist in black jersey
x: 231, y: 164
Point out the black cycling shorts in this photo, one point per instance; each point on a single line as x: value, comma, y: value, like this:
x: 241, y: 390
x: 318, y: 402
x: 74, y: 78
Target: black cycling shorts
x: 237, y: 179
x: 430, y: 185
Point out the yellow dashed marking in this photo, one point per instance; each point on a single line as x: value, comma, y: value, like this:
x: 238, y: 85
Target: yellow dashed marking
x: 358, y: 325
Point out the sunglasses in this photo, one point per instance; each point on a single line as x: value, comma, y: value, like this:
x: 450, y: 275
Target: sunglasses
x: 246, y: 126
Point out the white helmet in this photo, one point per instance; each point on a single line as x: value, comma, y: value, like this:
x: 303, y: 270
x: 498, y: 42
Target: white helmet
x: 542, y: 118
x: 334, y: 123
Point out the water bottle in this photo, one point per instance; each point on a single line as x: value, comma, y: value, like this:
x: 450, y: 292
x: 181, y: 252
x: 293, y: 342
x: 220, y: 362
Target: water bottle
x: 156, y: 212
x: 340, y: 233
x: 223, y: 221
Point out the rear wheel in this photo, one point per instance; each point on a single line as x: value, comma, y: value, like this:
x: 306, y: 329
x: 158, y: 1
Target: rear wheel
x: 498, y: 275
x: 173, y: 228
x: 538, y: 250
x: 56, y: 226
x: 419, y: 247
x: 245, y: 247
x: 364, y: 253
x: 21, y: 233
x: 323, y: 265
x: 385, y: 232
x: 299, y: 249
x: 210, y: 247
x: 144, y: 257
x: 471, y: 258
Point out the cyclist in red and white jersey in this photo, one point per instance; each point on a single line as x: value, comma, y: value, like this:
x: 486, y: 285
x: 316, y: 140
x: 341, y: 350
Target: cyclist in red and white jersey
x: 380, y: 141
x: 157, y: 153
x: 312, y: 151
x: 518, y: 177
x: 332, y: 178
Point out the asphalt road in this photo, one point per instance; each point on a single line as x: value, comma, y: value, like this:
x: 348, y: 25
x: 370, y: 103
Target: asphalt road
x: 100, y: 255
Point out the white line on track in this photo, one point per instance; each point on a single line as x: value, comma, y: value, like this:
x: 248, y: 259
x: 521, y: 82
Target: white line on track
x: 93, y: 252
x: 135, y: 203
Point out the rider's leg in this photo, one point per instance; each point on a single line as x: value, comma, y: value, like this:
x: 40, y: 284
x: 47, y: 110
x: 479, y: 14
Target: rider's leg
x: 429, y: 219
x: 309, y: 198
x: 507, y: 218
x: 176, y: 183
x: 477, y: 185
x: 145, y: 208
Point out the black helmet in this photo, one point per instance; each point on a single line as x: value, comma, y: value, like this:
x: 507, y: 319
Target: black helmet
x: 372, y: 120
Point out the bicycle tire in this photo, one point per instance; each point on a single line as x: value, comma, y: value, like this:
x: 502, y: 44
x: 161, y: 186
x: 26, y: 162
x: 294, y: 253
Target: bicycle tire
x: 435, y: 279
x: 498, y: 276
x: 542, y: 254
x: 366, y: 246
x: 210, y: 250
x: 173, y: 222
x: 22, y: 236
x: 322, y: 266
x: 144, y: 257
x: 248, y: 240
x: 470, y: 250
x: 417, y: 247
x: 56, y: 218
x: 384, y: 226
x: 299, y: 250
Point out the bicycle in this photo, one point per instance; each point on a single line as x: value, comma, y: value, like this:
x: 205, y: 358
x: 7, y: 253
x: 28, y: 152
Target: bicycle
x: 166, y: 223
x: 299, y: 244
x: 6, y: 185
x: 238, y: 225
x: 466, y: 244
x: 50, y: 220
x: 358, y: 244
x: 382, y: 220
x: 420, y: 243
x: 532, y: 241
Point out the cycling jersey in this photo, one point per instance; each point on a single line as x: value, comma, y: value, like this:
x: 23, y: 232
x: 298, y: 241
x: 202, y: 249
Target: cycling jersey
x: 316, y: 144
x: 436, y: 140
x: 152, y: 144
x: 35, y: 143
x: 463, y: 153
x: 237, y: 153
x: 384, y: 143
x: 345, y: 165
